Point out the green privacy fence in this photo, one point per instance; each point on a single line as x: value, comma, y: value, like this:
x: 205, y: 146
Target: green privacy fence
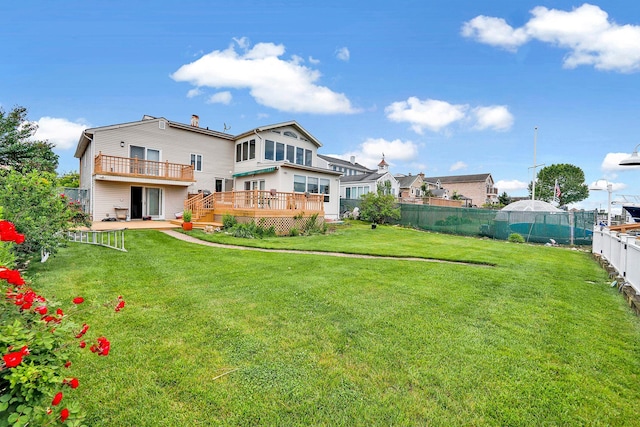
x: 540, y: 227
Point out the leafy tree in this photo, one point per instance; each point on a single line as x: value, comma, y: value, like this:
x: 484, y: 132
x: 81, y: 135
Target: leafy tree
x: 69, y: 180
x: 30, y: 201
x: 504, y: 199
x: 570, y: 180
x: 379, y: 207
x: 17, y: 150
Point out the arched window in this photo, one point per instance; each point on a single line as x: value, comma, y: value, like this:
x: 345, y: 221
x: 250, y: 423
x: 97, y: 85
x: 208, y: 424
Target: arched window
x: 291, y: 134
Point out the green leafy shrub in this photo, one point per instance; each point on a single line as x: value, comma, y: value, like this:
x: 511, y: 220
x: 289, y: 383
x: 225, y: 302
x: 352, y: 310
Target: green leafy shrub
x: 228, y: 221
x: 516, y: 238
x: 31, y: 202
x: 187, y: 215
x: 293, y: 232
x: 251, y: 231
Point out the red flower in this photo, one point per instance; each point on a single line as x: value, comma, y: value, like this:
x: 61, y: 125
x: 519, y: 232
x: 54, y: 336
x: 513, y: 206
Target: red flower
x: 67, y: 364
x: 13, y: 359
x: 83, y: 331
x: 78, y: 300
x: 102, y: 348
x: 11, y: 276
x: 59, y: 312
x: 64, y: 414
x: 24, y: 350
x: 73, y: 382
x: 42, y: 309
x: 120, y: 305
x: 56, y: 399
x: 83, y: 344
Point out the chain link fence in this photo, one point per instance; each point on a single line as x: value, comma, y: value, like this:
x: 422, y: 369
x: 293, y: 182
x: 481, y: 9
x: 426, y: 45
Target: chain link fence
x: 538, y: 227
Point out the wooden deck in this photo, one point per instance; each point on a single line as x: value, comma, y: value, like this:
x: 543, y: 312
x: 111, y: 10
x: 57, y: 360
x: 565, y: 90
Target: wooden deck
x: 136, y: 168
x: 254, y: 204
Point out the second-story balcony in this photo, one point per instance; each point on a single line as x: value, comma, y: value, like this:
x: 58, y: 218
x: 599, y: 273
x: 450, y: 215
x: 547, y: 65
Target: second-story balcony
x: 492, y: 190
x: 146, y: 169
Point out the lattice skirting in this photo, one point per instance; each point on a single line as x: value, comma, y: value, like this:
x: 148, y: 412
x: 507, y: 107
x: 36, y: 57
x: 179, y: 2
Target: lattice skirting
x: 282, y: 225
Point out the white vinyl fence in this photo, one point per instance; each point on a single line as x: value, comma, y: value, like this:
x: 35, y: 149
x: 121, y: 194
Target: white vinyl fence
x: 622, y: 252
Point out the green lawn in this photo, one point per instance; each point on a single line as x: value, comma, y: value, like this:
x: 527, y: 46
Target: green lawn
x: 538, y: 339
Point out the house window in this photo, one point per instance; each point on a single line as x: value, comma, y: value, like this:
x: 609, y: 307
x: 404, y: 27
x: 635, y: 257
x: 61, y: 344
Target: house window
x: 290, y: 134
x: 268, y: 150
x: 312, y: 185
x: 307, y: 157
x: 196, y: 162
x: 252, y: 149
x: 299, y: 156
x: 324, y: 188
x: 279, y: 152
x: 246, y: 150
x: 299, y: 183
x: 254, y: 185
x: 291, y: 153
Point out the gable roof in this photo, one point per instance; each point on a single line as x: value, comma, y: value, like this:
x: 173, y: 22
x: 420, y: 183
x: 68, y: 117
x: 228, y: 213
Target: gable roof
x: 455, y: 179
x: 369, y: 177
x: 87, y: 134
x: 345, y: 163
x: 407, y: 181
x: 291, y: 123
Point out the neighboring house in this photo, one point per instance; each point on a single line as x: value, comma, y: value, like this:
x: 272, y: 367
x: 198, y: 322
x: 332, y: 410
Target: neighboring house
x: 148, y: 168
x: 410, y: 186
x: 354, y: 186
x: 477, y: 189
x: 347, y: 168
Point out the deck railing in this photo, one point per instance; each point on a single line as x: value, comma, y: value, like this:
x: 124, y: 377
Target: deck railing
x: 255, y: 200
x: 134, y: 167
x: 270, y: 200
x: 199, y: 205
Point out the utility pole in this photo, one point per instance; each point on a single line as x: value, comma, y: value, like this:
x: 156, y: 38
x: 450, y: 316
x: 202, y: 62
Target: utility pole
x: 533, y: 182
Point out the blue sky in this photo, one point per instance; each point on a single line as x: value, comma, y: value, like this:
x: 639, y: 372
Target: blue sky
x: 443, y: 88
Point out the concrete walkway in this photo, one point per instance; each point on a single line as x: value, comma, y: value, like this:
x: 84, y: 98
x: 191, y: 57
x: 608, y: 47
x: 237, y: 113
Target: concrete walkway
x: 187, y: 238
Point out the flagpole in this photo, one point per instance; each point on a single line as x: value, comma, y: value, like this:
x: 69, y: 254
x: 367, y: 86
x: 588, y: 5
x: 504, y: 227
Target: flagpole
x: 533, y: 185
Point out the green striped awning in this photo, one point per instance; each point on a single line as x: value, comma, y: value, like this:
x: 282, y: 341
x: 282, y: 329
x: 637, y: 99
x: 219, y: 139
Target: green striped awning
x: 255, y: 172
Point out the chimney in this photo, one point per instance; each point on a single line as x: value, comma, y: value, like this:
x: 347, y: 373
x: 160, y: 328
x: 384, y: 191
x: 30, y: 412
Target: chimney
x: 195, y: 120
x: 353, y: 160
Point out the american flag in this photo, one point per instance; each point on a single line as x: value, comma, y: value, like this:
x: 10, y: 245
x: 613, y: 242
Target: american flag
x: 557, y: 190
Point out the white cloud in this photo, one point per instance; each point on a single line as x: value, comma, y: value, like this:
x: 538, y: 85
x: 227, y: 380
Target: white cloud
x: 611, y: 162
x: 496, y: 117
x: 586, y: 32
x: 284, y: 85
x: 437, y: 115
x: 194, y: 92
x: 494, y: 32
x: 370, y: 152
x: 220, y: 98
x: 458, y: 166
x: 430, y: 113
x: 511, y: 185
x: 60, y: 132
x: 313, y: 61
x: 343, y: 54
